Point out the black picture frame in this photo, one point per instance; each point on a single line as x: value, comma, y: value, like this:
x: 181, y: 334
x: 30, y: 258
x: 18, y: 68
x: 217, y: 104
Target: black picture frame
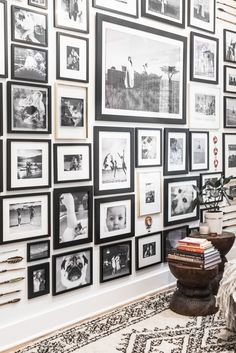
x: 193, y: 230
x: 142, y: 159
x: 227, y: 84
x: 45, y: 254
x: 229, y: 160
x: 45, y: 7
x: 205, y: 177
x: 171, y: 237
x: 198, y: 154
x: 1, y: 161
x: 4, y: 31
x: 228, y: 51
x: 45, y: 282
x: 120, y: 12
x: 200, y: 22
x: 1, y: 109
x: 149, y: 254
x: 72, y: 198
x: 229, y: 112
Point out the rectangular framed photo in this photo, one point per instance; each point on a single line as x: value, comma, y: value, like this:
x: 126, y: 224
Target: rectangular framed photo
x: 1, y: 109
x: 127, y: 7
x: 1, y: 161
x: 42, y: 4
x: 171, y: 238
x: 149, y: 193
x: 180, y: 202
x: 204, y: 58
x: 229, y: 161
x: 115, y: 261
x: 148, y: 250
x: 130, y: 84
x: 28, y: 164
x: 28, y: 108
x: 3, y: 40
x: 72, y: 162
x: 201, y: 15
x: 73, y: 215
x: 229, y: 112
x: 25, y: 217
x: 199, y: 150
x: 38, y: 250
x: 38, y: 280
x: 148, y: 147
x: 229, y: 79
x: 114, y: 218
x: 113, y: 160
x: 29, y: 64
x: 229, y: 46
x: 176, y: 151
x: 209, y: 177
x: 231, y: 189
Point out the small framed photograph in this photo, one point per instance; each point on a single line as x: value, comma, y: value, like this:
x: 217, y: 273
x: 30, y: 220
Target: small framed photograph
x: 127, y: 8
x: 193, y: 230
x: 199, y: 150
x: 171, y: 238
x: 209, y: 177
x: 229, y: 46
x: 148, y: 250
x: 28, y: 108
x: 114, y: 218
x: 38, y: 250
x: 42, y: 4
x: 229, y: 79
x: 115, y: 261
x: 73, y: 215
x: 71, y: 112
x: 72, y: 270
x: 29, y: 26
x: 1, y: 161
x: 229, y: 148
x: 229, y: 112
x: 149, y: 193
x: 204, y: 58
x: 201, y: 15
x: 180, y: 200
x: 38, y: 280
x: 176, y: 151
x: 148, y: 147
x: 24, y: 217
x: 3, y: 40
x: 113, y: 160
x: 29, y: 64
x: 72, y: 162
x: 28, y: 164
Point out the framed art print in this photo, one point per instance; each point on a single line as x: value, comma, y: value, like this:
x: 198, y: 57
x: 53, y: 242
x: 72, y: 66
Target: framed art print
x: 25, y: 217
x: 229, y: 112
x: 113, y: 160
x: 3, y: 40
x: 199, y: 150
x: 148, y: 250
x: 171, y: 238
x: 38, y: 280
x: 28, y: 108
x: 229, y: 148
x: 149, y: 193
x: 229, y: 46
x: 229, y: 79
x: 42, y: 4
x: 38, y: 250
x: 127, y: 8
x: 201, y: 15
x: 130, y: 84
x: 209, y: 177
x: 148, y: 147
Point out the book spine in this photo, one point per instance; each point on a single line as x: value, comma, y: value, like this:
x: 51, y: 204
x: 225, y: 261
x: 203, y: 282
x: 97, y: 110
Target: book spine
x: 189, y: 264
x: 190, y: 255
x: 188, y: 248
x: 186, y: 259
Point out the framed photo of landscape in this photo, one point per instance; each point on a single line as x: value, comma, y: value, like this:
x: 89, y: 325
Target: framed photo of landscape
x: 229, y: 46
x: 209, y: 177
x: 38, y: 250
x: 148, y: 250
x: 130, y: 85
x: 148, y: 147
x: 3, y: 39
x: 201, y: 15
x: 149, y: 193
x: 171, y: 238
x: 229, y: 79
x: 229, y: 112
x: 199, y: 150
x: 42, y: 4
x: 127, y: 8
x: 38, y: 280
x: 229, y: 161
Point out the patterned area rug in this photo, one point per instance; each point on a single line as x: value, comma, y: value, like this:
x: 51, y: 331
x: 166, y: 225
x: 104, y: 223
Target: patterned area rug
x: 146, y: 326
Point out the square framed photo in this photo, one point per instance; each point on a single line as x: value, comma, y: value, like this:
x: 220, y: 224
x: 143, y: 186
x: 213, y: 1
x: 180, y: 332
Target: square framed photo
x: 113, y: 160
x: 38, y: 250
x: 176, y: 151
x: 73, y: 215
x: 28, y: 164
x: 201, y: 15
x: 229, y: 161
x: 129, y: 86
x: 180, y: 200
x: 229, y: 112
x: 229, y: 79
x: 149, y: 193
x: 28, y: 108
x: 42, y: 4
x: 209, y: 177
x: 3, y: 40
x: 114, y: 218
x: 148, y: 250
x: 204, y: 58
x: 24, y: 217
x: 71, y: 112
x: 72, y: 58
x: 127, y: 8
x: 115, y: 261
x: 148, y: 147
x: 171, y: 238
x: 229, y: 46
x: 38, y: 280
x: 199, y: 150
x: 72, y: 162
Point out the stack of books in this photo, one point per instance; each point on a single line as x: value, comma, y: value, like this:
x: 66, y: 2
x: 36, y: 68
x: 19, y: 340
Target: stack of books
x: 195, y: 252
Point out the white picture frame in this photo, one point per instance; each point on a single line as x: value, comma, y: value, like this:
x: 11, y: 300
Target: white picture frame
x: 199, y: 150
x: 229, y: 148
x: 148, y: 147
x: 149, y: 193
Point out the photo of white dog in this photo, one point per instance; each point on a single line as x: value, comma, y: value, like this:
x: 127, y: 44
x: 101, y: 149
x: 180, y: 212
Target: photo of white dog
x: 182, y: 200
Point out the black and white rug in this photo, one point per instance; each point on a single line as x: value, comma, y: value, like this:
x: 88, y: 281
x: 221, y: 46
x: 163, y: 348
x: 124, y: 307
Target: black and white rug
x: 146, y: 326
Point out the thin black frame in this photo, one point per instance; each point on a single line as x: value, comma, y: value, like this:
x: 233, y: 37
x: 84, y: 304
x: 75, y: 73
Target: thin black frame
x: 54, y: 257
x: 201, y: 184
x: 5, y: 29
x: 137, y: 239
x: 137, y: 165
x: 225, y: 77
x: 165, y: 234
x: 224, y: 45
x: 225, y: 112
x: 205, y: 30
x: 1, y: 172
x: 191, y: 133
x: 224, y: 159
x: 1, y: 109
x: 117, y: 12
x: 9, y: 108
x: 29, y: 245
x: 38, y: 5
x: 30, y: 271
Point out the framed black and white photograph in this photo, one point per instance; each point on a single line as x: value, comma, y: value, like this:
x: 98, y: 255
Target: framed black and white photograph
x: 73, y: 215
x: 24, y: 217
x: 207, y: 198
x: 29, y: 26
x: 72, y: 58
x: 148, y: 250
x: 38, y: 280
x: 204, y: 106
x: 201, y: 15
x: 1, y: 161
x: 113, y: 160
x: 71, y: 112
x: 131, y: 83
x: 176, y: 151
x: 115, y: 261
x: 28, y: 164
x: 229, y: 46
x: 229, y: 161
x: 28, y: 108
x: 127, y: 7
x: 171, y: 238
x: 170, y: 12
x: 1, y: 109
x: 72, y: 270
x: 114, y: 218
x: 29, y: 64
x: 229, y: 112
x: 199, y: 150
x: 149, y: 195
x: 3, y: 40
x: 204, y: 58
x: 148, y: 147
x: 38, y: 250
x: 42, y: 4
x: 72, y: 162
x: 229, y: 79
x: 231, y: 188
x: 180, y: 200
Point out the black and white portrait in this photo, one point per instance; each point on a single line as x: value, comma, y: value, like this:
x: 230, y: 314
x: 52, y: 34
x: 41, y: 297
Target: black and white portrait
x: 43, y: 4
x: 38, y: 280
x: 72, y: 15
x: 148, y: 250
x: 72, y: 112
x: 25, y: 217
x: 38, y: 250
x: 229, y: 79
x: 171, y: 238
x: 229, y: 46
x: 229, y: 112
x: 205, y: 104
x: 29, y: 163
x: 148, y: 147
x: 73, y: 58
x: 149, y: 193
x: 72, y: 162
x: 199, y: 142
x: 176, y: 151
x: 202, y: 15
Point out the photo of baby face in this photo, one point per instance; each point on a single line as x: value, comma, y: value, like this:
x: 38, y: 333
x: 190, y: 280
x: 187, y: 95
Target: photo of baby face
x: 116, y: 218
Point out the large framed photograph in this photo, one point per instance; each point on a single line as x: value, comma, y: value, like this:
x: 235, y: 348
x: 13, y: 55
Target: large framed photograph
x: 148, y: 147
x: 114, y: 218
x: 207, y: 198
x: 130, y: 84
x: 28, y: 108
x: 115, y: 261
x: 38, y: 280
x: 38, y: 250
x: 113, y: 160
x: 229, y: 148
x: 24, y: 217
x: 171, y: 238
x: 148, y: 250
x: 199, y: 150
x: 127, y: 7
x: 149, y: 193
x: 29, y: 63
x: 229, y: 46
x: 73, y: 215
x: 180, y: 200
x: 176, y: 151
x: 229, y: 79
x: 42, y: 4
x: 204, y: 58
x: 72, y: 162
x: 201, y: 15
x: 229, y: 112
x: 28, y: 164
x: 3, y: 40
